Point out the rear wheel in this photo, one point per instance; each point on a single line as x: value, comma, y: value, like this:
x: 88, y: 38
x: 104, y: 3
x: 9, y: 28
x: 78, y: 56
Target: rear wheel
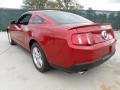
x: 10, y: 39
x: 39, y: 58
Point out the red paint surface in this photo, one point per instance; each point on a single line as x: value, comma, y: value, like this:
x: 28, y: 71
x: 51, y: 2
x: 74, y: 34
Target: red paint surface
x: 56, y: 40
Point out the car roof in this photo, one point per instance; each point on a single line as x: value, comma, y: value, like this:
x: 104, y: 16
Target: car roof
x: 42, y: 11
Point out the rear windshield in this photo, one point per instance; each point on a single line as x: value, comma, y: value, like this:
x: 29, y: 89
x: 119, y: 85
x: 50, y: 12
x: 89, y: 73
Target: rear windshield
x: 66, y: 18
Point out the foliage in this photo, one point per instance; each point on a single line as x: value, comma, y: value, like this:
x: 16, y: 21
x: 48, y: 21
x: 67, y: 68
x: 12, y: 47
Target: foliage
x: 52, y: 5
x: 65, y: 3
x: 44, y: 4
x: 40, y: 4
x: 69, y: 4
x: 35, y: 4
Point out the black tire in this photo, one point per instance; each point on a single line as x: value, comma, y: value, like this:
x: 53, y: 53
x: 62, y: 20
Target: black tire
x: 44, y: 67
x: 10, y: 39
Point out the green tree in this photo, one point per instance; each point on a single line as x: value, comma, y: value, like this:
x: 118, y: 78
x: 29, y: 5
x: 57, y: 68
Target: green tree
x: 52, y: 5
x: 64, y: 3
x: 34, y: 4
x: 56, y: 4
x: 40, y: 4
x: 69, y: 4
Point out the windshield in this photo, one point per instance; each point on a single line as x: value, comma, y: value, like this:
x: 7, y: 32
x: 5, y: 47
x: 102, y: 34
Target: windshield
x: 66, y: 18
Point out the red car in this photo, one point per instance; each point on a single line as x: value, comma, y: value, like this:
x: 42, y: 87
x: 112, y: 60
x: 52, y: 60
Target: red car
x: 62, y: 40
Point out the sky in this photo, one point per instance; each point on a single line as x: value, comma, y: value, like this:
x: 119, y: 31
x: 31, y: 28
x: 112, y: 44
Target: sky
x: 11, y: 3
x: 112, y: 5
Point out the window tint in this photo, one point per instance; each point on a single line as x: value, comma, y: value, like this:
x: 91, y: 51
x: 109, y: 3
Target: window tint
x: 66, y: 18
x: 37, y: 20
x: 24, y: 19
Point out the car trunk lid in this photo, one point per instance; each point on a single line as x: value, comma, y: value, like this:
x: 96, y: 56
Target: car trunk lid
x: 99, y: 33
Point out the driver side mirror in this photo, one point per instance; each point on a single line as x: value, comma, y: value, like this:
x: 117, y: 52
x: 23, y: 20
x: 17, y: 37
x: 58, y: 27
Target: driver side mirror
x: 13, y: 22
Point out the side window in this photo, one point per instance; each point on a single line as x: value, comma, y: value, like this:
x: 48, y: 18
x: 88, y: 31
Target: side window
x: 37, y: 20
x: 24, y: 19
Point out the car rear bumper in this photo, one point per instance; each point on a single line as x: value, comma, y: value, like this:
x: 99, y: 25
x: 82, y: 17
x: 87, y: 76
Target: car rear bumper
x: 86, y: 66
x: 84, y: 57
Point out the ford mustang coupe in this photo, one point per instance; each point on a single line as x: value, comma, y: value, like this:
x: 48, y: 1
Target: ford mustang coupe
x: 62, y: 40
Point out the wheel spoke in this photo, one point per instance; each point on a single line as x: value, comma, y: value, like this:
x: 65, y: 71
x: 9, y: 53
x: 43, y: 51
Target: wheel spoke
x: 37, y: 57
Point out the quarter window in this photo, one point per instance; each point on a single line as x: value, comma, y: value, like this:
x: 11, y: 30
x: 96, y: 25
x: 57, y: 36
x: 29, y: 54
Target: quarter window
x: 37, y: 20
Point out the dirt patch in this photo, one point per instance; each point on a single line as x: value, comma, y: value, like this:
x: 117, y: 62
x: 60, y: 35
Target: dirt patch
x: 105, y: 87
x: 114, y: 86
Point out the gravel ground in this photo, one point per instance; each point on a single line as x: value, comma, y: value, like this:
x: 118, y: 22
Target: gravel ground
x: 17, y: 72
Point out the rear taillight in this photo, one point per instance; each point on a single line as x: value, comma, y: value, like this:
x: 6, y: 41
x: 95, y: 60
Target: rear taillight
x: 83, y: 39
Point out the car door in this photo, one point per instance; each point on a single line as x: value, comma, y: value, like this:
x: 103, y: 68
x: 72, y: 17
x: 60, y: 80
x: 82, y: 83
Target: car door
x: 22, y: 27
x: 41, y: 29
